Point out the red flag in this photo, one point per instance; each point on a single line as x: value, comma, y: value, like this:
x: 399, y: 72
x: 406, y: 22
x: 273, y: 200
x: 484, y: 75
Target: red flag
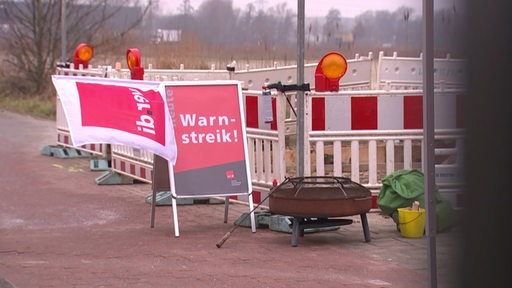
x: 116, y: 111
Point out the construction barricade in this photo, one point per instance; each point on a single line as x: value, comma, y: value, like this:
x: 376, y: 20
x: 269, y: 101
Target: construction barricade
x: 371, y: 127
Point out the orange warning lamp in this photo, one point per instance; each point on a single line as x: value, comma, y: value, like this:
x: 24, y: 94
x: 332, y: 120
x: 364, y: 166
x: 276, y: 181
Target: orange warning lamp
x: 83, y: 53
x: 133, y: 60
x: 329, y: 71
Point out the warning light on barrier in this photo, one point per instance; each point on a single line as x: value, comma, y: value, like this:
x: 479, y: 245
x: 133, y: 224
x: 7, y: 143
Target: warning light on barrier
x: 329, y: 71
x: 133, y: 60
x: 83, y: 53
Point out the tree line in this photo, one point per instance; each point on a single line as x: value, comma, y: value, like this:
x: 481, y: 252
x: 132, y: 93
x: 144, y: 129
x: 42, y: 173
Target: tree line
x: 218, y: 22
x: 31, y: 33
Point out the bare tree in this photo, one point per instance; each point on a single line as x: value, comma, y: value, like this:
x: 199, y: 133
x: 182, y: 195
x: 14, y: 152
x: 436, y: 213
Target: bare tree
x: 217, y: 22
x: 402, y: 16
x: 285, y: 24
x: 33, y: 36
x: 186, y: 8
x: 332, y: 24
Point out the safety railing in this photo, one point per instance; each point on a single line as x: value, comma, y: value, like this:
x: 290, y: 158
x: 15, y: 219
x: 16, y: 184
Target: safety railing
x: 340, y: 146
x: 367, y: 156
x: 132, y: 162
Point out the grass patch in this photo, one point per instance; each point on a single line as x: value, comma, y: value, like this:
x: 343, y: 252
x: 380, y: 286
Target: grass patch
x: 35, y: 106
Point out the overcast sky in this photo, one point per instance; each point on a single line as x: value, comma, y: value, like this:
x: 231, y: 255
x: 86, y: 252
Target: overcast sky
x: 348, y: 8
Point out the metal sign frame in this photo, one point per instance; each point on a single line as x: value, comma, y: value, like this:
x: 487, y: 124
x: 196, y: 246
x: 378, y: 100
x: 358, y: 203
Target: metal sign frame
x: 209, y: 125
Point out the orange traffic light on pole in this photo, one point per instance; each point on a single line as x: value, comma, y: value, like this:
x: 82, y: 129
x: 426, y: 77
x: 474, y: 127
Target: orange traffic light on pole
x: 133, y: 60
x: 83, y: 53
x: 329, y: 71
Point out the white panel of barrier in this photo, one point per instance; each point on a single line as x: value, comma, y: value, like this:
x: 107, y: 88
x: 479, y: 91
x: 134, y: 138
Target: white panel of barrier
x: 395, y: 72
x: 337, y: 113
x: 358, y: 75
x: 390, y: 112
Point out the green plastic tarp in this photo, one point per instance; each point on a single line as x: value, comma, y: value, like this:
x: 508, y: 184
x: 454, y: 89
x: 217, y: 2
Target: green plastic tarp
x: 402, y: 187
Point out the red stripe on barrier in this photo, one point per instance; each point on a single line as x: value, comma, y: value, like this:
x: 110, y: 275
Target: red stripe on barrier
x: 374, y: 202
x: 251, y: 111
x: 413, y: 112
x: 143, y: 173
x: 256, y: 197
x: 364, y: 113
x: 318, y: 114
x: 273, y: 124
x: 459, y: 200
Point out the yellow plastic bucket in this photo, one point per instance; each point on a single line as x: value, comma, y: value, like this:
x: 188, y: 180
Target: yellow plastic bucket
x: 411, y: 222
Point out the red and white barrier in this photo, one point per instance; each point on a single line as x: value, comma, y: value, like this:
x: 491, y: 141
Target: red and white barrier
x: 378, y: 113
x: 368, y: 137
x: 382, y: 110
x: 132, y: 162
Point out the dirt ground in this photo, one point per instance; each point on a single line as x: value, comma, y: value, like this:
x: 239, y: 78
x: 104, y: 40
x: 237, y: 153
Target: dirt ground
x: 58, y: 228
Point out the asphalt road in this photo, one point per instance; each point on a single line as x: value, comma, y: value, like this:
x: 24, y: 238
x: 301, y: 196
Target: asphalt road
x: 58, y: 228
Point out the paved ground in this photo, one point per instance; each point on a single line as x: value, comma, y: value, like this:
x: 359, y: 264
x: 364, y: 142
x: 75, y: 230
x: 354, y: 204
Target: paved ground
x: 58, y: 228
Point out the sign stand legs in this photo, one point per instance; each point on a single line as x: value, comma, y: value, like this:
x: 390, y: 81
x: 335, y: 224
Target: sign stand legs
x: 173, y: 201
x: 175, y: 217
x: 226, y: 209
x: 161, y: 184
x: 153, y: 205
x: 251, y: 209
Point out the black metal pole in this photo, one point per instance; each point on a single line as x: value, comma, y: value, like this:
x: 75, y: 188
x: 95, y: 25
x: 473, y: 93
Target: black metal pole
x: 428, y: 139
x: 63, y: 30
x: 300, y: 94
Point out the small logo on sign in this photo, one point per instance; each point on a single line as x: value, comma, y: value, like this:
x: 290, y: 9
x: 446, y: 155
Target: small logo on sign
x: 230, y: 174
